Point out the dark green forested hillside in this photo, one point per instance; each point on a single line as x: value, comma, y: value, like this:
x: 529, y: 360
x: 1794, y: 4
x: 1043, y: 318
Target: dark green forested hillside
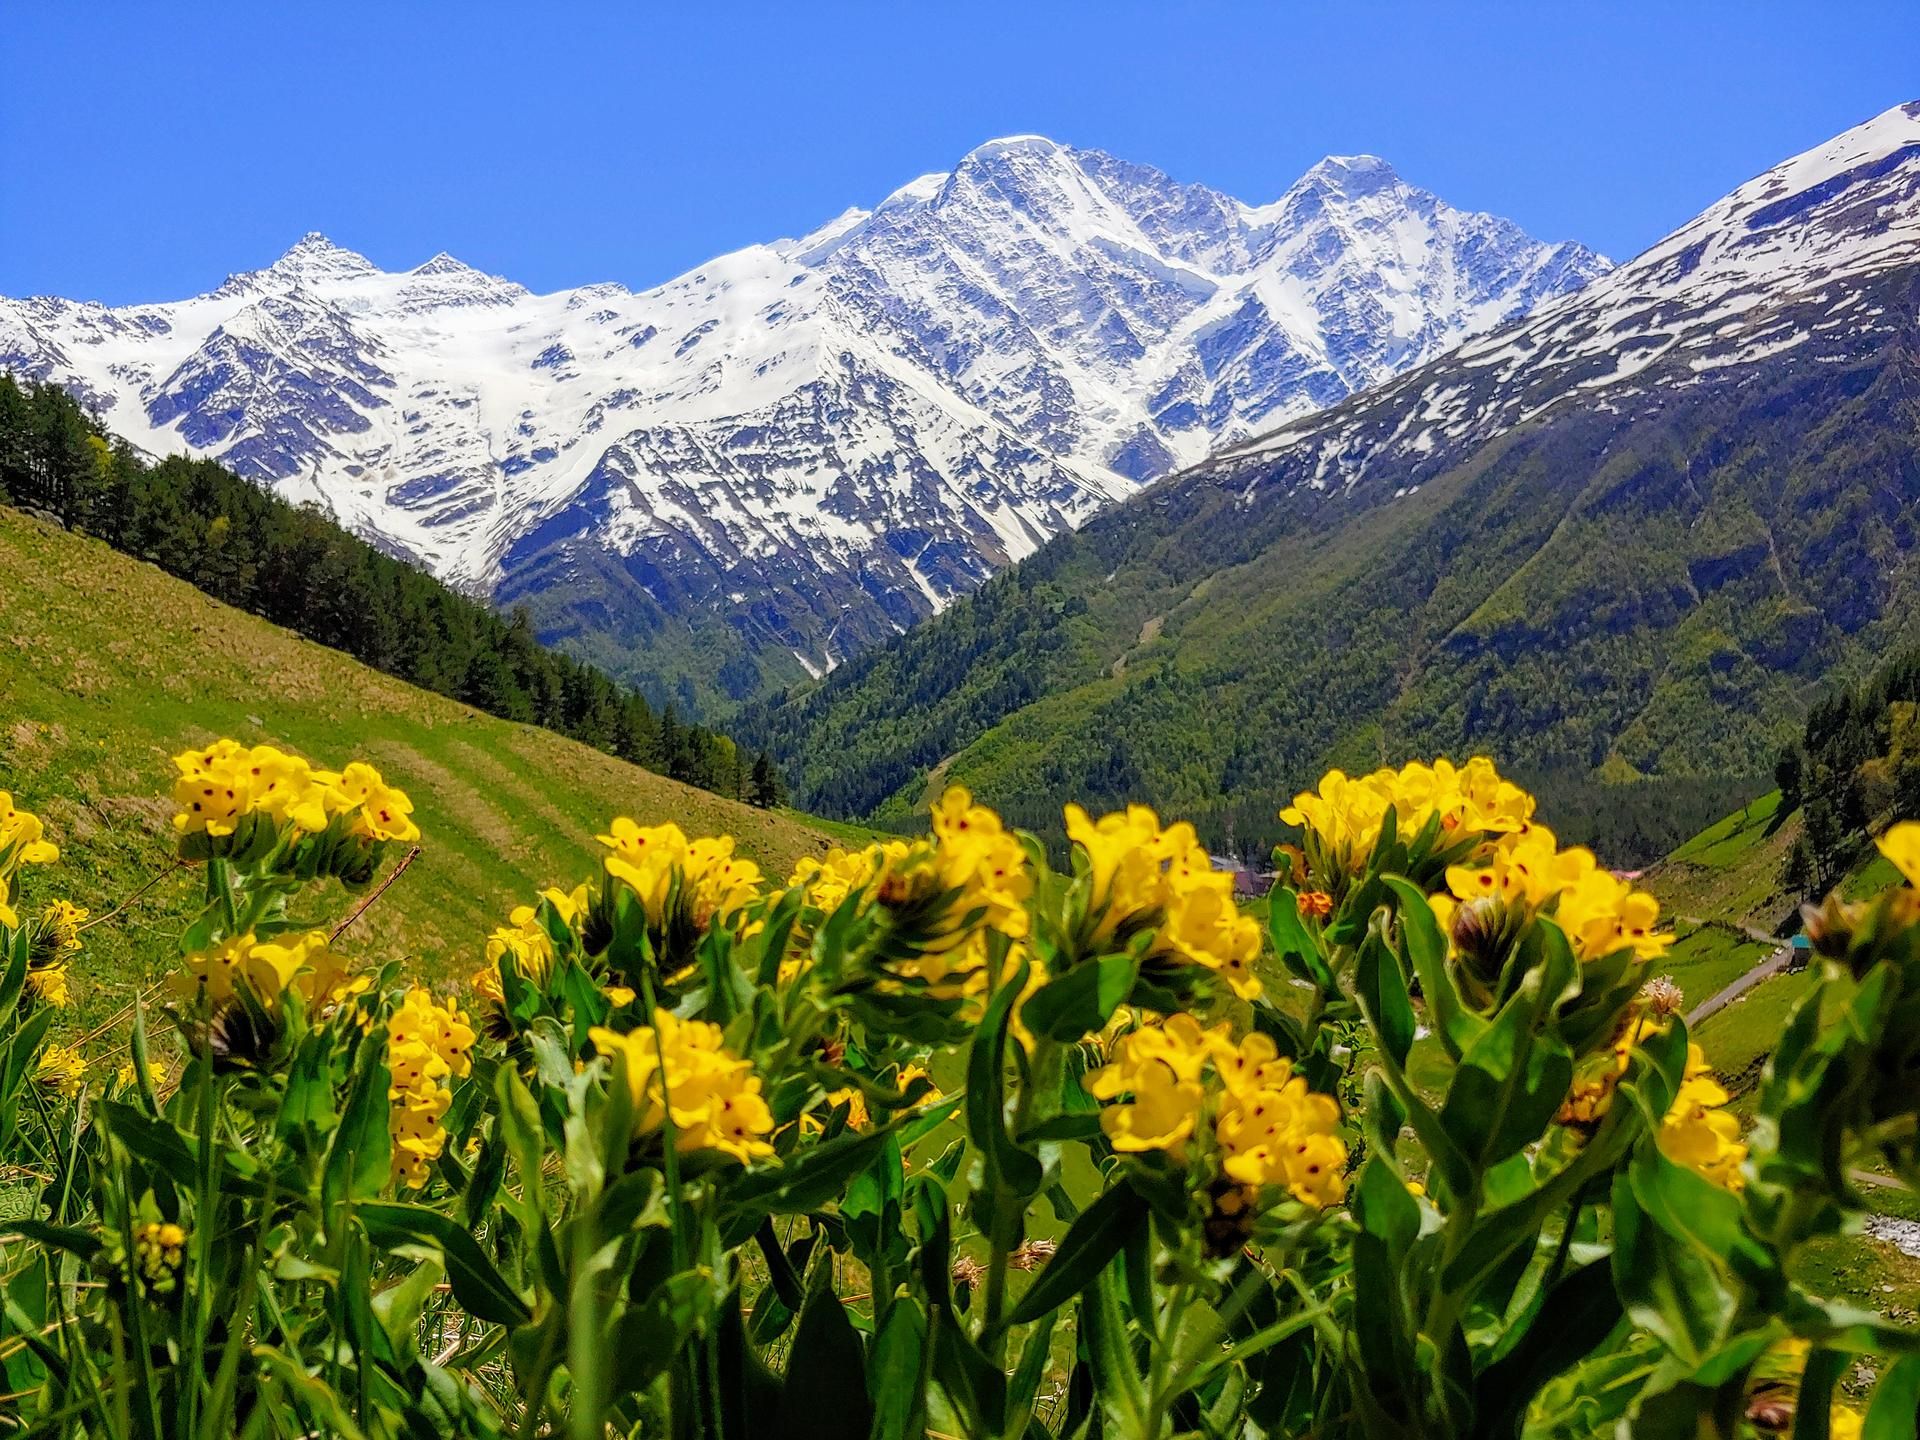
x: 1587, y: 595
x: 1855, y: 769
x: 199, y: 521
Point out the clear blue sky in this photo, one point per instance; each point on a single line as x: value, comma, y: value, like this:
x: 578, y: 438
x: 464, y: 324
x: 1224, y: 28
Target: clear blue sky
x: 149, y: 149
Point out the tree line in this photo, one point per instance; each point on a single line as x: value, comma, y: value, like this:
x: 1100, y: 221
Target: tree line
x: 292, y: 565
x: 1856, y: 764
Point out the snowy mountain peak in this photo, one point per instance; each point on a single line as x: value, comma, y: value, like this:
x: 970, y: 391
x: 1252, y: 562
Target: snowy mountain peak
x: 444, y: 264
x: 1350, y: 175
x: 813, y: 442
x: 314, y: 256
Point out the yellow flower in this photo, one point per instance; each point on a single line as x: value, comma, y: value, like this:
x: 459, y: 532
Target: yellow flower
x: 213, y: 790
x: 684, y: 1066
x: 1600, y: 913
x: 856, y: 1103
x: 1138, y: 872
x: 829, y: 879
x: 380, y: 811
x: 1347, y: 814
x: 221, y: 785
x: 1266, y: 1127
x: 1844, y: 1423
x: 22, y: 842
x: 427, y: 1044
x: 984, y: 860
x: 1901, y: 845
x: 413, y: 1123
x: 159, y: 1249
x: 1697, y: 1133
x: 303, y: 962
x: 48, y: 983
x: 287, y: 789
x: 644, y: 859
x: 1161, y: 1115
x: 714, y: 882
x: 62, y: 1069
x: 910, y: 1073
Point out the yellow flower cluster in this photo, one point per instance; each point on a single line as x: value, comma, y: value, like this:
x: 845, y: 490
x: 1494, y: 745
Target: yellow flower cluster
x: 54, y: 946
x: 984, y: 860
x: 683, y: 1066
x: 427, y: 1045
x: 62, y: 1069
x: 714, y: 882
x: 1695, y: 1132
x: 1138, y: 869
x: 972, y: 856
x: 1699, y: 1134
x: 1348, y: 812
x: 830, y: 878
x: 221, y: 785
x: 305, y: 963
x: 1267, y: 1127
x: 1601, y: 913
x: 527, y: 941
x: 22, y: 842
x: 159, y: 1247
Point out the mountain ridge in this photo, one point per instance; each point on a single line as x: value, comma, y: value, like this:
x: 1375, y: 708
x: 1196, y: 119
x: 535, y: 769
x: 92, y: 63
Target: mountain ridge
x: 1618, y: 536
x: 800, y: 448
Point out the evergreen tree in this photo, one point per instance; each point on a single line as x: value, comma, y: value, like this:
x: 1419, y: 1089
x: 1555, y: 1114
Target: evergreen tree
x: 764, y: 789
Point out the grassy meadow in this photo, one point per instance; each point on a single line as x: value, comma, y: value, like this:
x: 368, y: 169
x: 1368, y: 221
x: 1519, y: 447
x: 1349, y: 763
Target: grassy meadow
x: 109, y: 667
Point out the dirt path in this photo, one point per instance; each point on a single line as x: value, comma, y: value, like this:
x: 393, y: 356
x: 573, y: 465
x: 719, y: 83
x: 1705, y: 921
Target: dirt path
x: 1765, y: 970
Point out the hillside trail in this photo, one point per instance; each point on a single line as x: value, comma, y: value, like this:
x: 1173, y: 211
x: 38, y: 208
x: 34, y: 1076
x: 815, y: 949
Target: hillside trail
x: 1773, y: 965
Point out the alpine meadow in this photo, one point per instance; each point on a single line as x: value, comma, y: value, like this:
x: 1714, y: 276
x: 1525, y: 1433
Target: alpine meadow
x: 1062, y: 807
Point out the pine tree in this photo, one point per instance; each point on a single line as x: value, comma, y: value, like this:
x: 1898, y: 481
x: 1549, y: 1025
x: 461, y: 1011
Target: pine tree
x: 765, y: 789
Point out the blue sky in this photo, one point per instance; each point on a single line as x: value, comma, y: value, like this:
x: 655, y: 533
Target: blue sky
x: 152, y: 149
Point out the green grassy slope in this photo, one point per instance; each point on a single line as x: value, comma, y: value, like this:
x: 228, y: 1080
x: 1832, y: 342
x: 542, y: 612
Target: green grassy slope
x: 108, y: 667
x: 1730, y: 872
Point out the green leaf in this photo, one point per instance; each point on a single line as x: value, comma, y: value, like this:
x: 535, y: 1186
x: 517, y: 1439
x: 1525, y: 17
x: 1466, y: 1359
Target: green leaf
x: 1082, y: 1000
x: 974, y: 1383
x: 82, y: 1244
x: 359, y: 1155
x: 1813, y: 1411
x: 1384, y: 1206
x: 1099, y: 1233
x: 897, y: 1373
x: 815, y: 1176
x: 1426, y: 951
x: 1896, y: 1403
x: 1511, y: 1080
x: 477, y: 1285
x: 650, y: 1336
x: 825, y: 1399
x: 1667, y: 1286
x: 1103, y: 1327
x: 1297, y: 949
x: 986, y: 1106
x: 1579, y: 1314
x: 1382, y: 992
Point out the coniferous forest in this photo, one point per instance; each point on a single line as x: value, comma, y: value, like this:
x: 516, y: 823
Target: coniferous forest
x: 293, y: 566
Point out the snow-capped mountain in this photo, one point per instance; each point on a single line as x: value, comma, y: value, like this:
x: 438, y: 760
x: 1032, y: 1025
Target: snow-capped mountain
x: 815, y: 442
x: 1791, y: 260
x: 1628, y: 534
